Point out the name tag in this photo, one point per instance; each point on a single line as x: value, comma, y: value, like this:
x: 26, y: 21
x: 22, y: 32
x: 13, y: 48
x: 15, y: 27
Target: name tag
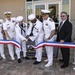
x: 46, y: 24
x: 13, y: 30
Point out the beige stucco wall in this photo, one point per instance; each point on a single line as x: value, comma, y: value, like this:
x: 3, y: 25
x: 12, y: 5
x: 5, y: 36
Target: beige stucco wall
x: 73, y: 17
x: 73, y: 11
x: 17, y: 7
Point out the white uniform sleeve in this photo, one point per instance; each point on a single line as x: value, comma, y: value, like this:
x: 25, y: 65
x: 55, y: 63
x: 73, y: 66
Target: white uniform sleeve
x: 29, y: 29
x: 4, y: 26
x: 36, y: 31
x: 52, y: 25
x: 18, y: 34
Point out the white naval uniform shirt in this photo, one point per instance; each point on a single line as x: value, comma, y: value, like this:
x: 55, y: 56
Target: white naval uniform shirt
x: 10, y: 27
x: 37, y: 31
x: 29, y: 29
x: 48, y: 27
x: 1, y: 35
x: 18, y: 31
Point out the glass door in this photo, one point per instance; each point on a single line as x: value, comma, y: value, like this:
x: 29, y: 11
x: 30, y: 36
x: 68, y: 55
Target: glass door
x: 55, y: 8
x: 29, y: 9
x: 54, y: 13
x: 37, y: 10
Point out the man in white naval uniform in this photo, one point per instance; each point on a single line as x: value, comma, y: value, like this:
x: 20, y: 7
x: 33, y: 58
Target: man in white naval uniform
x: 49, y: 30
x: 9, y: 29
x: 1, y: 37
x: 21, y: 29
x: 35, y: 32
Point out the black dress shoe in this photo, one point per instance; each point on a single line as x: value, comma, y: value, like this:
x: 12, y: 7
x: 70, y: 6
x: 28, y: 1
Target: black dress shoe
x: 61, y: 60
x: 27, y: 58
x: 33, y: 58
x: 64, y: 66
x: 19, y: 61
x: 36, y: 62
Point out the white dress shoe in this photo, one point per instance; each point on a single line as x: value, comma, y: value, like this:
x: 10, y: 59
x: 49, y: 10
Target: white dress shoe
x: 48, y: 64
x: 13, y: 58
x: 46, y: 60
x: 73, y: 68
x: 4, y: 57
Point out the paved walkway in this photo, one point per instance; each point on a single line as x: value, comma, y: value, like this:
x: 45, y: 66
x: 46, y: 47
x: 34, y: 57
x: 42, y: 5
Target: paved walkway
x: 9, y: 67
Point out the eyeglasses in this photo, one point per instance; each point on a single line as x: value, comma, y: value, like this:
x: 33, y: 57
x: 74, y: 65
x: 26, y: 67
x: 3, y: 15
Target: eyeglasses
x: 62, y: 16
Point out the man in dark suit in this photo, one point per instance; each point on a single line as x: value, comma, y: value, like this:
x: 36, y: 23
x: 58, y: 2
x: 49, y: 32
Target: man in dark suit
x: 64, y: 35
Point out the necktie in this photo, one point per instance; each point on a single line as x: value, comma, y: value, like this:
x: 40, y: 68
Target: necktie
x: 21, y: 26
x: 31, y: 34
x: 61, y: 24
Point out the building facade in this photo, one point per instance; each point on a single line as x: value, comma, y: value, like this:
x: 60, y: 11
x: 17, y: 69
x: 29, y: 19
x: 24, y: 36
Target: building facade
x: 26, y: 7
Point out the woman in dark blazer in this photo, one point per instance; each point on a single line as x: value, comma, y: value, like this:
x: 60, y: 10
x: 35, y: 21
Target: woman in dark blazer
x: 64, y: 35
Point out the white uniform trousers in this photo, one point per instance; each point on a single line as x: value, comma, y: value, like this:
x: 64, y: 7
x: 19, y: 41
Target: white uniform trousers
x: 2, y: 47
x: 11, y: 49
x: 49, y: 51
x: 38, y: 54
x: 2, y: 51
x: 23, y: 48
x: 74, y: 55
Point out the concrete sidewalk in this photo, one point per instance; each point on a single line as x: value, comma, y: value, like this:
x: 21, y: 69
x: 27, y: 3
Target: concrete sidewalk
x: 9, y: 67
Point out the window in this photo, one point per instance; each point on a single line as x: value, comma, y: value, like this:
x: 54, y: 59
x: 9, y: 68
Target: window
x: 65, y: 5
x: 29, y: 9
x: 28, y: 0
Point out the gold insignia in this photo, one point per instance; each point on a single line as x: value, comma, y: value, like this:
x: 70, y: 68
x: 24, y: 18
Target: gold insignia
x: 7, y: 24
x: 13, y: 21
x: 37, y: 31
x: 36, y: 28
x: 8, y: 27
x: 46, y: 24
x: 51, y: 20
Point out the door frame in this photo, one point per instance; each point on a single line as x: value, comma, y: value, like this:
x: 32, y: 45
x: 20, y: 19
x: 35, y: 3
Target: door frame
x: 38, y: 4
x: 46, y: 6
x: 59, y: 8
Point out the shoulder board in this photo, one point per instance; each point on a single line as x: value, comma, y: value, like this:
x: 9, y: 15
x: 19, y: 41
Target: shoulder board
x: 51, y: 20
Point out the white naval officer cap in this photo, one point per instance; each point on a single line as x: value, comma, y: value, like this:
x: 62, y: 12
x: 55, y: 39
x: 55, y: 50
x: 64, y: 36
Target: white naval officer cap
x: 19, y: 18
x: 31, y: 17
x: 7, y: 13
x: 1, y: 20
x: 45, y: 11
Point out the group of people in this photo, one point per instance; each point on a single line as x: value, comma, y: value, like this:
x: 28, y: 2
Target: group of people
x: 17, y: 29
